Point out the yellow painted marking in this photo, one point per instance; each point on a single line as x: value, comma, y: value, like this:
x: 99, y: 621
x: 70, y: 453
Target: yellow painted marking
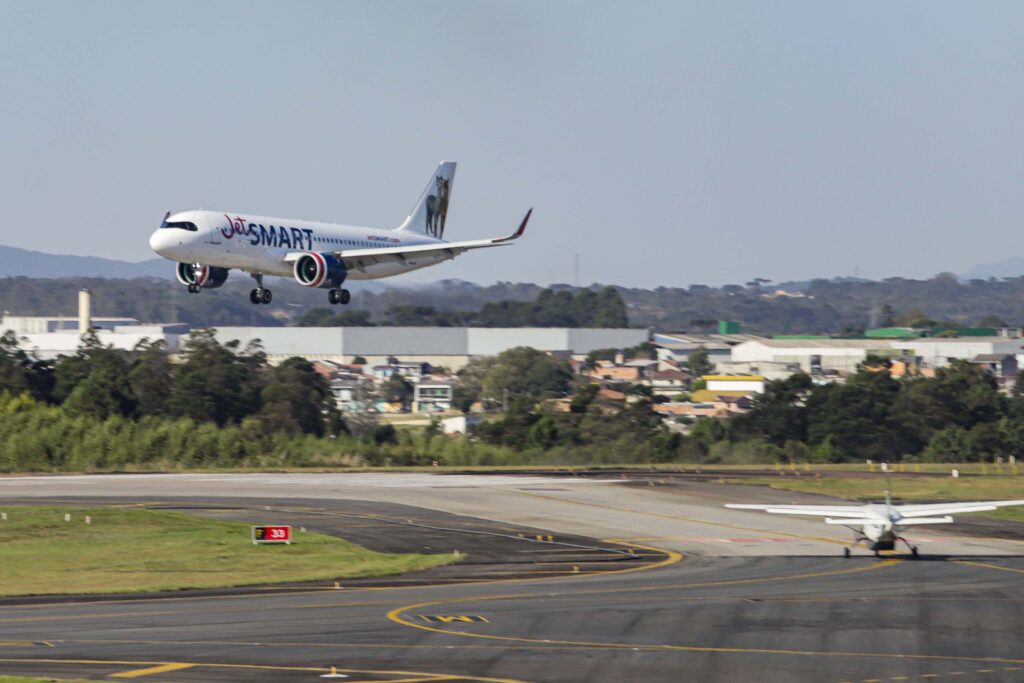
x: 1012, y: 668
x: 899, y: 678
x: 984, y: 671
x: 681, y: 517
x: 872, y: 680
x: 420, y: 675
x: 988, y: 565
x: 163, y: 668
x: 449, y: 618
x: 395, y: 615
x: 955, y: 673
x: 929, y: 675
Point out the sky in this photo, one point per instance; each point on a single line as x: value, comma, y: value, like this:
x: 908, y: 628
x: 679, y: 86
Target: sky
x: 665, y: 144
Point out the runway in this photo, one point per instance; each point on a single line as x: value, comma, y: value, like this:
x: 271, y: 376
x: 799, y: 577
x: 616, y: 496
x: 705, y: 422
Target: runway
x: 710, y: 594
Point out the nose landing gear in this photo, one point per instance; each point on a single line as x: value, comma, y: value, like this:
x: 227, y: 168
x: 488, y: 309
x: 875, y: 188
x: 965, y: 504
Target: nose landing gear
x: 260, y: 295
x: 339, y: 296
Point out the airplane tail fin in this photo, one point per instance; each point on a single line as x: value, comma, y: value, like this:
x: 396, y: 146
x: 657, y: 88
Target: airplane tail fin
x: 431, y: 211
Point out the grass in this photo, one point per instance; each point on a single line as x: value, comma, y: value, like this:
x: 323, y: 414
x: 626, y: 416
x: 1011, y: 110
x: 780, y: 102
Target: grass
x: 126, y: 550
x: 916, y: 489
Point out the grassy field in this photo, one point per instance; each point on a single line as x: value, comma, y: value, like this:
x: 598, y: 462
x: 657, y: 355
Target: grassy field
x: 917, y: 489
x: 149, y: 550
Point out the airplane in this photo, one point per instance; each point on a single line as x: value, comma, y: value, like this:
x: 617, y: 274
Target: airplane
x: 206, y: 245
x: 877, y: 525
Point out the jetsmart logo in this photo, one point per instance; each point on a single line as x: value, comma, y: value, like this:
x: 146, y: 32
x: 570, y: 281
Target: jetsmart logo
x: 269, y: 236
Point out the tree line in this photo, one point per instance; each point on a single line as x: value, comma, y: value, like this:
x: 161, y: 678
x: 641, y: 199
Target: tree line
x: 819, y: 306
x: 959, y: 415
x: 552, y: 308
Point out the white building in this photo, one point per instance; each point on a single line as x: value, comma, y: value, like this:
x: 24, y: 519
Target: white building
x: 450, y: 347
x: 836, y: 354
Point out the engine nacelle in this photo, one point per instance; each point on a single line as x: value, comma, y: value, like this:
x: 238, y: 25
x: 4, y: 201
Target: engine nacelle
x: 207, y: 277
x: 316, y: 269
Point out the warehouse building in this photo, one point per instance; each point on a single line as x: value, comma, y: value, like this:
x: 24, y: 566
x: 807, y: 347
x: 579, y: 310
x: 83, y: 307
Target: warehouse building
x: 449, y: 347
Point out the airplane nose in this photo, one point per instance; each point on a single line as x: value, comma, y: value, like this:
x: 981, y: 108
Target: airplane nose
x: 161, y: 241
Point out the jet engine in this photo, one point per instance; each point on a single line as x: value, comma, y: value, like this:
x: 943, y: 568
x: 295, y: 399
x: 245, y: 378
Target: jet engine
x: 194, y: 275
x: 320, y: 270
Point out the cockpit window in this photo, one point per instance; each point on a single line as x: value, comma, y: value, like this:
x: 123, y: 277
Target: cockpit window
x: 184, y: 225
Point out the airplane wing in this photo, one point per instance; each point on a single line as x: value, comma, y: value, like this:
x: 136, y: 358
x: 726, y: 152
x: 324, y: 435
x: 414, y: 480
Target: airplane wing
x: 843, y: 511
x: 930, y: 509
x: 360, y: 258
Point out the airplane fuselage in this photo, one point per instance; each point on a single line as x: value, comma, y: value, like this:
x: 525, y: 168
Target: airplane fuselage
x: 259, y: 244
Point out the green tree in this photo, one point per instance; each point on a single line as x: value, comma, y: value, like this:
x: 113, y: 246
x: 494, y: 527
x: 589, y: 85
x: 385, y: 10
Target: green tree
x: 103, y: 394
x: 296, y: 399
x: 698, y: 362
x: 397, y: 390
x: 22, y: 372
x: 216, y: 384
x: 524, y: 371
x: 151, y: 378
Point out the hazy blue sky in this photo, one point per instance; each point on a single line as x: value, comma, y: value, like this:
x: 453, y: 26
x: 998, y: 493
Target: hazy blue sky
x: 666, y: 143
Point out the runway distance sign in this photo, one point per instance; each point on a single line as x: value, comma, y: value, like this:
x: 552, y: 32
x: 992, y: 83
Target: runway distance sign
x: 271, y: 534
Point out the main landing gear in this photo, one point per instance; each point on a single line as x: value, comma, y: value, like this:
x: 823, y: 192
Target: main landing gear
x: 339, y: 296
x: 260, y: 295
x: 194, y: 288
x: 877, y: 550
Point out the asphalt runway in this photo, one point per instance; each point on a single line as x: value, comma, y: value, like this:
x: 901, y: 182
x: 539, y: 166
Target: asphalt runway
x: 707, y: 595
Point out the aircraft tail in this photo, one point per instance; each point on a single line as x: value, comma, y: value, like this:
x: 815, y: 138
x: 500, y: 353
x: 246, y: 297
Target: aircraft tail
x: 431, y: 211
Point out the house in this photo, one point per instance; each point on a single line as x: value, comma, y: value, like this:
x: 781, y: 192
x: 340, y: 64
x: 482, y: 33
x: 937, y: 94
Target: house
x: 347, y: 395
x: 411, y: 371
x: 432, y: 395
x: 667, y: 382
x: 752, y: 384
x: 691, y: 409
x: 1002, y: 366
x: 460, y: 424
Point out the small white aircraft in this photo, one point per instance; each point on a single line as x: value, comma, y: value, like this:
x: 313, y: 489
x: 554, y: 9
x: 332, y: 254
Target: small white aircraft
x: 878, y: 525
x: 207, y: 244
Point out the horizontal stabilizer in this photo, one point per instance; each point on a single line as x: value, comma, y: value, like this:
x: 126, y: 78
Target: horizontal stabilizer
x: 848, y: 522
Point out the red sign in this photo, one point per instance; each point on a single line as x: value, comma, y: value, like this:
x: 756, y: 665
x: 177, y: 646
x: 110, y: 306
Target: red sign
x: 271, y: 534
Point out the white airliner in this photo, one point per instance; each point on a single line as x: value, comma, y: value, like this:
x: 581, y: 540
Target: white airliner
x: 207, y: 244
x: 878, y: 525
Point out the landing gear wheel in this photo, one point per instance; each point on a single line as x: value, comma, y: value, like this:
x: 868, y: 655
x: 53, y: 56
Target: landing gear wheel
x: 846, y: 553
x: 267, y: 296
x: 255, y: 296
x: 332, y: 296
x: 913, y: 551
x: 344, y: 297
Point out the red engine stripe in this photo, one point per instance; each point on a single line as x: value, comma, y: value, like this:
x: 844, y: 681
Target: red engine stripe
x: 321, y: 267
x: 203, y: 275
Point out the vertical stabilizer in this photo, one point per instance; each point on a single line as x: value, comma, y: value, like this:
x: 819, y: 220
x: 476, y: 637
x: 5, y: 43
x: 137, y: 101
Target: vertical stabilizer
x: 431, y: 211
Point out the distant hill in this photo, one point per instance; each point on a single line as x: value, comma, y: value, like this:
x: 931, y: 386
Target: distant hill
x: 1011, y: 267
x: 15, y: 262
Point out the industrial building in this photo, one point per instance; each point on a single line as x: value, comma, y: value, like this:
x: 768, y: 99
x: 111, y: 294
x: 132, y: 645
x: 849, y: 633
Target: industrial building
x: 52, y: 336
x: 448, y: 347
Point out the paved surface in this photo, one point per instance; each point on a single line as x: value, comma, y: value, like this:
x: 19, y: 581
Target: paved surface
x: 750, y: 599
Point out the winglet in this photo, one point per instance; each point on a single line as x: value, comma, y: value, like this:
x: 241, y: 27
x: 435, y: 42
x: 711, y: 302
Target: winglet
x: 519, y: 231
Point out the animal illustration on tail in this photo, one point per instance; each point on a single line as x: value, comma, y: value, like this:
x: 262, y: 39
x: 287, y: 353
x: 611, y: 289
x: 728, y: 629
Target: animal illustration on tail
x: 437, y: 207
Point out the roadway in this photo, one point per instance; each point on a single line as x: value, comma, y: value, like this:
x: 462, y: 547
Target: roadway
x: 709, y: 595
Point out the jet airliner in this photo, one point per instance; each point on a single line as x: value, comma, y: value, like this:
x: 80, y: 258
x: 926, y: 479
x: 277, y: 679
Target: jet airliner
x: 207, y: 244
